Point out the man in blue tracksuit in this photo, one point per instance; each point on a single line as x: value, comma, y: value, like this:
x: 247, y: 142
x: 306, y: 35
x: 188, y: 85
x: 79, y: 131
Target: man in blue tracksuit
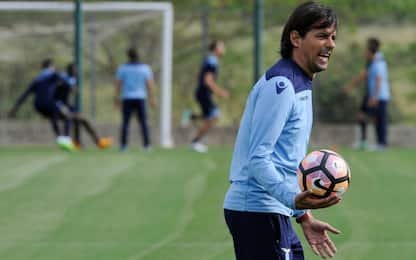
x: 272, y: 140
x: 51, y: 93
x: 64, y: 88
x: 377, y: 96
x: 67, y: 86
x: 134, y: 86
x: 206, y: 89
x: 44, y: 88
x: 378, y: 90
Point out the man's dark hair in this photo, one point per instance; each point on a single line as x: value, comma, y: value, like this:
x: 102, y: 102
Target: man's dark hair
x: 213, y: 45
x: 133, y: 55
x: 46, y: 63
x: 305, y: 17
x: 373, y: 44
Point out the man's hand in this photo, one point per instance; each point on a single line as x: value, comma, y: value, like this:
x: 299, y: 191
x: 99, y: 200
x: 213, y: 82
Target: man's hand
x: 307, y: 200
x: 315, y: 232
x: 224, y: 93
x: 372, y: 102
x: 153, y: 102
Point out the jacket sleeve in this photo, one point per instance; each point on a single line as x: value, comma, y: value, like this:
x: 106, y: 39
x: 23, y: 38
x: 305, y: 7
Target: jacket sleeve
x: 274, y: 103
x: 24, y: 95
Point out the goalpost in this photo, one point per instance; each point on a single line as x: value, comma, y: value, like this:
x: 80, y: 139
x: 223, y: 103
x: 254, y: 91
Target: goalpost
x: 166, y: 36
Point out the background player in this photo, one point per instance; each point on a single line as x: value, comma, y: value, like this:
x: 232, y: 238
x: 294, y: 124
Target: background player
x: 272, y: 139
x: 207, y: 86
x: 47, y: 103
x: 134, y: 85
x: 377, y: 96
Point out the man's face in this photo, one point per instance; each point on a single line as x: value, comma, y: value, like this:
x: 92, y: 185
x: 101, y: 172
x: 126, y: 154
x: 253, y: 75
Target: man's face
x: 220, y: 49
x: 316, y: 48
x: 369, y: 55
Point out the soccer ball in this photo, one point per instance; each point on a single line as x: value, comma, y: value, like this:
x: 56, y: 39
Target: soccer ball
x: 324, y: 172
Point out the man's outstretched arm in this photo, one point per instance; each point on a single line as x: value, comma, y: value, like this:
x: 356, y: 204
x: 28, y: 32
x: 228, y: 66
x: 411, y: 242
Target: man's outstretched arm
x: 21, y: 100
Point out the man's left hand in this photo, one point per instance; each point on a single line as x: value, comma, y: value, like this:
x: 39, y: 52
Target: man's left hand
x: 372, y: 102
x: 315, y: 232
x: 153, y: 102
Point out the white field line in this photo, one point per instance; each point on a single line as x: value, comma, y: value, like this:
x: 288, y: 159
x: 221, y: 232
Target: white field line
x: 195, y: 188
x: 19, y: 175
x: 15, y: 239
x: 107, y: 177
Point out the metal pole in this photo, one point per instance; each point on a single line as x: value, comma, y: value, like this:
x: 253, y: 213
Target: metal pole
x: 166, y: 139
x: 78, y: 52
x: 258, y: 27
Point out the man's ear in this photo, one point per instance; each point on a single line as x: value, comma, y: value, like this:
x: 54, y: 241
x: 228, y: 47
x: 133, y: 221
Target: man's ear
x: 295, y: 38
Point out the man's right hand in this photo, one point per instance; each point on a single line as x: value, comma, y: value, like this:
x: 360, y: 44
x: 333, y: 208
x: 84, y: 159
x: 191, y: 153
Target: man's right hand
x: 153, y: 102
x: 117, y: 102
x: 224, y: 94
x: 307, y: 200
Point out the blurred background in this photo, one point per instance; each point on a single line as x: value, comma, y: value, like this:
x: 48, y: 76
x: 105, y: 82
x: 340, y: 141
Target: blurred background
x: 29, y: 37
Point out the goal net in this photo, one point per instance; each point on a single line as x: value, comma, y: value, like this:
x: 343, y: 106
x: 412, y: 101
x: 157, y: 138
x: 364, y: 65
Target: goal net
x: 32, y: 31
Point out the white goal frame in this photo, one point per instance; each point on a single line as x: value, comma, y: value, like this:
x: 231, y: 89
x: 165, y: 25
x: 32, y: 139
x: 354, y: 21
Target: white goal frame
x: 166, y: 9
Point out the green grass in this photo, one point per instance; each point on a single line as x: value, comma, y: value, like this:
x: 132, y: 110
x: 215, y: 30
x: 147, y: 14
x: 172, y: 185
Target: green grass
x: 167, y: 204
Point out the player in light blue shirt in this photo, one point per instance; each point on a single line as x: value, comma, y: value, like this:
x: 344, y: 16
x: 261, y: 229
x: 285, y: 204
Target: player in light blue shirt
x: 376, y: 99
x: 275, y: 128
x: 378, y: 91
x: 272, y: 140
x: 378, y: 78
x: 134, y: 86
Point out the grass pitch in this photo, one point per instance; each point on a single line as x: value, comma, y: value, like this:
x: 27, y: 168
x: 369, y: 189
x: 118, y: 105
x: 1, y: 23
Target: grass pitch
x: 167, y: 204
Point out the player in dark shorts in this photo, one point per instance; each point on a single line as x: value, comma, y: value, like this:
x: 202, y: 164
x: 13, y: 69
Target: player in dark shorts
x: 374, y: 104
x: 207, y: 86
x: 50, y: 103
